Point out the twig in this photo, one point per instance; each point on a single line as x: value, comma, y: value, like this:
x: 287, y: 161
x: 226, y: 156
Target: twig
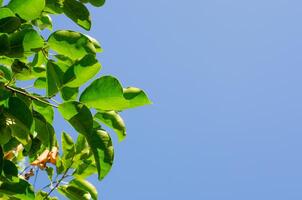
x: 29, y: 95
x: 61, y: 179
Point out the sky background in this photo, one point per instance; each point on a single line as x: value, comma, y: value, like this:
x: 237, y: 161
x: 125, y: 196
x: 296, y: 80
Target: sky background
x: 225, y: 79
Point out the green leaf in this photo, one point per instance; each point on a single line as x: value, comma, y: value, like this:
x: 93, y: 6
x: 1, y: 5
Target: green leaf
x: 68, y: 147
x: 1, y: 159
x: 54, y: 6
x: 74, y: 193
x: 97, y: 3
x: 17, y: 188
x: 113, y: 120
x: 68, y: 93
x: 54, y: 79
x: 45, y: 131
x: 78, y: 115
x: 106, y: 93
x: 5, y: 133
x: 78, y: 13
x: 27, y: 9
x: 101, y: 146
x: 4, y: 44
x: 41, y: 195
x: 86, y: 186
x: 9, y: 24
x: 44, y: 109
x: 50, y: 172
x: 44, y: 22
x: 8, y: 21
x: 71, y: 44
x: 9, y: 168
x: 82, y: 71
x: 24, y: 41
x: 19, y: 119
x: 40, y: 83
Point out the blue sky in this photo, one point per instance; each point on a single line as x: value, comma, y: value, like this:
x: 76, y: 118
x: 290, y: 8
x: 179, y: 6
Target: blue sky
x: 225, y: 79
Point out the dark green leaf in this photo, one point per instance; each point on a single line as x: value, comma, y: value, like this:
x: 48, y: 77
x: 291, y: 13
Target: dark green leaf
x: 40, y: 83
x: 78, y: 13
x: 68, y: 93
x: 97, y: 3
x: 54, y: 79
x: 44, y: 109
x: 68, y: 147
x: 54, y: 6
x: 19, y: 119
x: 9, y: 168
x: 45, y: 131
x: 9, y: 24
x: 113, y: 120
x: 106, y: 93
x: 17, y: 188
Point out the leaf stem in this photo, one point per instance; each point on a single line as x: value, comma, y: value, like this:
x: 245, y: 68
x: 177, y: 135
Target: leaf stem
x: 29, y: 95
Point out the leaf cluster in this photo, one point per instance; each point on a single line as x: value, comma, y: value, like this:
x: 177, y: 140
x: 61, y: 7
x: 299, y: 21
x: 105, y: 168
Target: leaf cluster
x: 59, y: 67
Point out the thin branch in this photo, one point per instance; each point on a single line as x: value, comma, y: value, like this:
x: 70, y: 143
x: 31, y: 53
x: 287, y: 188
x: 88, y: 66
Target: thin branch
x: 61, y: 179
x: 29, y: 95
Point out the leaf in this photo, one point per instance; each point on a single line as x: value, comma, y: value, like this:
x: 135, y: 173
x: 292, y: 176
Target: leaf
x: 17, y: 188
x: 68, y: 93
x: 4, y: 44
x: 97, y: 3
x: 27, y: 9
x: 54, y: 79
x: 82, y: 71
x: 73, y: 193
x: 1, y: 159
x: 41, y: 195
x: 9, y: 24
x: 54, y: 6
x: 68, y: 147
x: 44, y: 109
x: 24, y: 41
x: 113, y: 120
x: 71, y: 44
x: 101, y: 146
x: 40, y: 83
x: 45, y: 131
x: 9, y: 168
x: 86, y: 186
x: 106, y: 93
x: 19, y: 119
x: 78, y: 13
x: 44, y: 22
x: 50, y: 172
x: 78, y: 115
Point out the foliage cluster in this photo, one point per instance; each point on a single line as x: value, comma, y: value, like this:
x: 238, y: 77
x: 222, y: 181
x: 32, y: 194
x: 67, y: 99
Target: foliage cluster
x: 58, y: 66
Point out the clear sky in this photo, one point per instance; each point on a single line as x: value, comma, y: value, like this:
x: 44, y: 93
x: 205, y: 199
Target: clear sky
x: 225, y: 79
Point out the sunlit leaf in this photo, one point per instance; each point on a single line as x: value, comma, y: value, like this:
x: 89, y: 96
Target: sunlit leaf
x: 86, y: 186
x: 27, y: 9
x: 71, y: 44
x: 113, y: 120
x: 106, y: 93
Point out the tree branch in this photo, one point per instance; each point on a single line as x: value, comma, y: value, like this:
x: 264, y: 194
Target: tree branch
x: 29, y: 95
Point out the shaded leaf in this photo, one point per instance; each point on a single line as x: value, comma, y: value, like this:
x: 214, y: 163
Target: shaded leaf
x: 68, y: 93
x: 73, y: 192
x: 78, y: 13
x: 17, y: 188
x: 54, y: 79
